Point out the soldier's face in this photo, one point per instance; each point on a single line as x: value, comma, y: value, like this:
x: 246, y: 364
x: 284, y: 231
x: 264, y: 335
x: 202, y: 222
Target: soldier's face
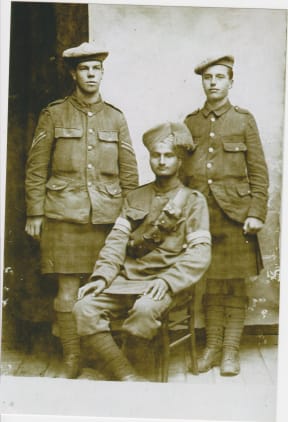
x: 216, y: 82
x: 88, y: 76
x: 163, y: 159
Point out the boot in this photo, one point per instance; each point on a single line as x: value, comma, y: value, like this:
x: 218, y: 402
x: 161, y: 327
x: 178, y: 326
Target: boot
x: 104, y: 348
x: 230, y: 363
x: 140, y: 353
x: 214, y: 319
x: 70, y: 345
x: 235, y: 311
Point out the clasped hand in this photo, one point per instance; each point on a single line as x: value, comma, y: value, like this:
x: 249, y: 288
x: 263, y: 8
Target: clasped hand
x: 252, y: 225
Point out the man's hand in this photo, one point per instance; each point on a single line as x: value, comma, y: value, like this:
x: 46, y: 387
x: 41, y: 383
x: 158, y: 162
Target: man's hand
x: 157, y: 289
x: 94, y: 287
x: 33, y: 226
x: 252, y: 225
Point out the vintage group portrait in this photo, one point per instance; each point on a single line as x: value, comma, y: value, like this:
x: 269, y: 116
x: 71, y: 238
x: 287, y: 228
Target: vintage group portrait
x: 143, y: 211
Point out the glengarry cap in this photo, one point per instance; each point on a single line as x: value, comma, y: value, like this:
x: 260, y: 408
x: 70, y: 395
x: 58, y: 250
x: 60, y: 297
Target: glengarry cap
x: 83, y: 52
x: 226, y: 60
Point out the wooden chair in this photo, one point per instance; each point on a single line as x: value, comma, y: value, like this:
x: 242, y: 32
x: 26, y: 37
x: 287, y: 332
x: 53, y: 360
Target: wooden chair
x: 178, y: 326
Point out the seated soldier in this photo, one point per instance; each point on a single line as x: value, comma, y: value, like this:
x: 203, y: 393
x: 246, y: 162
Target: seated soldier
x: 159, y: 246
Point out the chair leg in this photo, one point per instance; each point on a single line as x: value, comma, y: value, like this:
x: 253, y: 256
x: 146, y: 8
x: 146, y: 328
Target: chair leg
x: 165, y: 351
x: 192, y: 341
x: 157, y: 345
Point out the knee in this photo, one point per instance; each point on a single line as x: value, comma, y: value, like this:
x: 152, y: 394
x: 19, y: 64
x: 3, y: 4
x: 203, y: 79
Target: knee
x: 144, y: 307
x: 82, y: 308
x: 68, y: 287
x: 89, y: 319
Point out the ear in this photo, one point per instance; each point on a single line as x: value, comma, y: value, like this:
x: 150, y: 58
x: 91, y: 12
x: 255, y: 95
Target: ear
x: 231, y: 83
x: 73, y: 74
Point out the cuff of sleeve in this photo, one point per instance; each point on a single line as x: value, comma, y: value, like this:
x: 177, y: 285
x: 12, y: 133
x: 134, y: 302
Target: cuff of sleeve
x: 199, y: 236
x: 95, y: 277
x: 35, y: 211
x: 123, y: 225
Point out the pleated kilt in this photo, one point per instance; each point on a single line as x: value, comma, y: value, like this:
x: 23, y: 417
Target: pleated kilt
x: 71, y: 248
x: 234, y: 255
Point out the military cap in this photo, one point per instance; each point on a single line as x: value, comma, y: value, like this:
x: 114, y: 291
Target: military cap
x: 84, y: 51
x: 227, y: 60
x: 176, y: 133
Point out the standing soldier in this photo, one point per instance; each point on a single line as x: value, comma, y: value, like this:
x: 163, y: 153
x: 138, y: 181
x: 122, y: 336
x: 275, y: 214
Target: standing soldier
x: 80, y: 166
x: 229, y: 167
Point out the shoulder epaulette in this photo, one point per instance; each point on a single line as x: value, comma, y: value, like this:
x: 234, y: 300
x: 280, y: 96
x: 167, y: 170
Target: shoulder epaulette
x: 139, y: 195
x: 111, y: 105
x: 241, y: 110
x: 140, y: 187
x: 59, y: 101
x: 193, y: 113
x: 195, y: 191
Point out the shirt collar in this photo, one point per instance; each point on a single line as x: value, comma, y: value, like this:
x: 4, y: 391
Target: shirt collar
x: 207, y: 109
x: 172, y: 188
x: 81, y: 105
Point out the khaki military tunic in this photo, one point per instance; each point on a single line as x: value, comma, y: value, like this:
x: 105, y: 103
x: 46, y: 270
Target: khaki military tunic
x: 180, y: 259
x: 81, y: 163
x: 229, y: 168
x: 80, y: 166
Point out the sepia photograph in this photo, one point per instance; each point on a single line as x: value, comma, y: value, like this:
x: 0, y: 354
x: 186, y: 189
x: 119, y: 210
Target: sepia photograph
x: 142, y: 211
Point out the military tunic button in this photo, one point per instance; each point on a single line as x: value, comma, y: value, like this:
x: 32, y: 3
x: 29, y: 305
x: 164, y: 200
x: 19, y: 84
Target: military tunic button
x: 213, y: 119
x: 91, y: 130
x: 90, y: 113
x: 54, y: 186
x: 89, y: 166
x: 89, y: 184
x: 89, y: 147
x: 210, y: 181
x: 212, y: 134
x: 211, y: 149
x: 209, y: 165
x: 237, y: 149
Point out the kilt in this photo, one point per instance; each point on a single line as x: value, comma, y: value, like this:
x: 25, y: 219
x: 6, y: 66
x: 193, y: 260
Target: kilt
x: 234, y: 255
x: 71, y: 248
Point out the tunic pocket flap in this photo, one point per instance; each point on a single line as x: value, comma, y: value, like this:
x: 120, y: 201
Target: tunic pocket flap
x: 113, y: 189
x: 234, y: 146
x: 243, y: 190
x: 53, y: 184
x: 68, y: 132
x: 136, y: 214
x: 108, y: 135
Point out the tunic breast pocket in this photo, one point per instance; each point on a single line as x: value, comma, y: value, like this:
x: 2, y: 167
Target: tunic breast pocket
x: 234, y: 158
x: 108, y: 152
x: 67, y: 154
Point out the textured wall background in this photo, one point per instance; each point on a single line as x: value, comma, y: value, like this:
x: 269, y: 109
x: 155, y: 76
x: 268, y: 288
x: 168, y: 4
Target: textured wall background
x: 149, y: 75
